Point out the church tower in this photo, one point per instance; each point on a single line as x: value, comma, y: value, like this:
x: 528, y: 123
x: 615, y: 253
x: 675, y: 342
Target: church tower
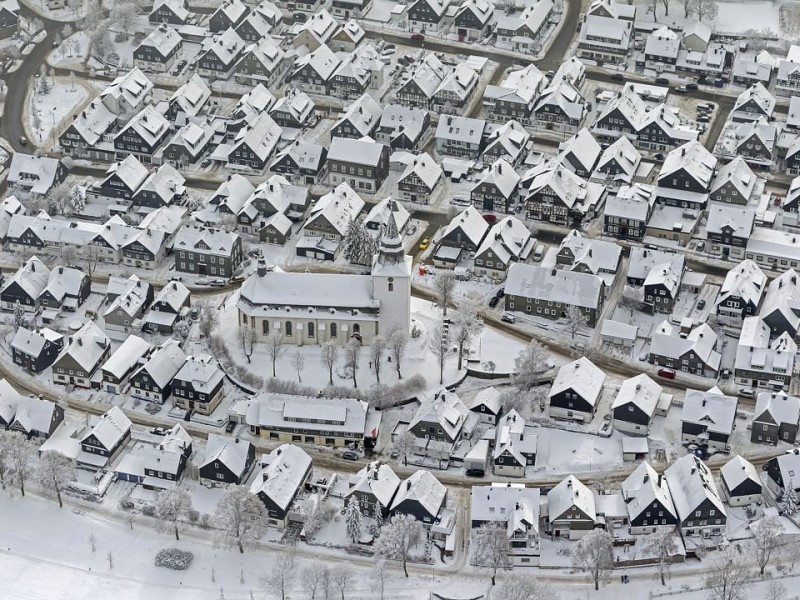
x: 391, y: 279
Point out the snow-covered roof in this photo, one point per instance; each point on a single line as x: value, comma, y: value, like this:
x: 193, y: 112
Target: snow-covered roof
x: 692, y: 157
x: 571, y: 189
x: 623, y: 155
x: 322, y: 61
x: 112, y: 427
x: 127, y: 91
x: 149, y: 124
x: 631, y: 202
x: 378, y: 479
x: 641, y: 391
x: 664, y: 274
x: 363, y: 114
x: 32, y: 342
x: 260, y: 136
x: 397, y: 119
x: 566, y: 287
x: 508, y: 239
x: 756, y: 353
x: 758, y: 95
x: 9, y: 399
x: 166, y: 183
x: 36, y: 173
x: 596, y: 255
x: 88, y: 346
x: 130, y: 171
x: 568, y: 493
x: 691, y: 483
x: 663, y: 43
x: 34, y: 414
x: 643, y: 260
x: 178, y: 7
x: 132, y: 350
x: 738, y: 218
x: 365, y: 151
x: 563, y: 95
x: 206, y: 240
x: 739, y: 174
x: 713, y: 410
x: 582, y: 377
x: 424, y: 167
x: 459, y: 82
x: 338, y: 207
x: 129, y: 294
x: 738, y: 470
x: 192, y: 95
x: 498, y: 502
x: 746, y: 281
x: 444, y: 408
x: 460, y: 129
x: 226, y: 46
x: 164, y: 363
x: 489, y: 397
x: 783, y: 295
x: 32, y: 278
x: 471, y: 223
x: 378, y: 216
x: 777, y: 406
x: 255, y: 102
x: 668, y: 342
x: 580, y: 151
x: 642, y: 488
x: 231, y: 452
x: 424, y: 488
x: 297, y: 105
x: 174, y: 295
x: 287, y: 467
x: 94, y: 121
x: 512, y: 139
x: 502, y: 175
x: 203, y: 372
x: 163, y: 39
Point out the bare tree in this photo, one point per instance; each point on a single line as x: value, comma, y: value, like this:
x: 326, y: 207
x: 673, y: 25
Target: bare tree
x: 776, y: 591
x: 529, y: 366
x: 398, y: 537
x: 398, y: 342
x: 275, y: 348
x: 706, y: 10
x: 575, y: 319
x: 343, y: 578
x: 594, y: 553
x: 687, y: 8
x: 522, y: 587
x: 492, y: 547
x: 283, y: 575
x: 466, y: 326
x: 766, y: 538
x: 380, y: 575
x: 241, y: 516
x: 326, y: 583
x: 329, y: 356
x: 171, y: 506
x: 444, y: 284
x: 69, y: 256
x: 662, y: 544
x: 312, y: 578
x: 298, y: 363
x: 123, y: 15
x: 5, y: 455
x: 352, y: 352
x: 726, y: 576
x: 54, y: 473
x: 376, y: 353
x: 91, y: 256
x: 247, y: 336
x: 403, y: 444
x: 665, y: 4
x: 20, y: 452
x: 438, y: 347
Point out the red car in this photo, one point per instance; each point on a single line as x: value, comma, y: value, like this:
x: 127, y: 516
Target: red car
x: 490, y: 218
x: 667, y: 373
x: 417, y: 37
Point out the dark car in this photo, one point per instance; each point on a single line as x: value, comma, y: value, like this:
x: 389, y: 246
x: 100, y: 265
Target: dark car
x: 662, y: 81
x: 230, y: 427
x: 501, y: 293
x: 298, y: 16
x: 159, y: 431
x: 667, y: 373
x: 490, y: 218
x: 475, y: 472
x: 349, y: 455
x: 691, y: 87
x: 701, y: 305
x: 617, y: 77
x: 494, y: 301
x: 418, y: 37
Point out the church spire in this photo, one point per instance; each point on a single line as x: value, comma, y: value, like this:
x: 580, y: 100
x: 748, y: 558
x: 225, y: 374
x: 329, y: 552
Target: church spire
x: 391, y: 246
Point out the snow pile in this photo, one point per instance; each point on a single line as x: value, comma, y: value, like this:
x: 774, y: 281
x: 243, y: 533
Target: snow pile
x: 175, y: 559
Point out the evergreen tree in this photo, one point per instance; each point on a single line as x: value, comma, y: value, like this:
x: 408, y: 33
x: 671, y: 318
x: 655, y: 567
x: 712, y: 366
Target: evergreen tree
x: 789, y: 499
x: 353, y: 517
x: 377, y: 521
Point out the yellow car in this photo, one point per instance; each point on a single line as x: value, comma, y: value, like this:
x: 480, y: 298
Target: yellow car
x: 424, y: 243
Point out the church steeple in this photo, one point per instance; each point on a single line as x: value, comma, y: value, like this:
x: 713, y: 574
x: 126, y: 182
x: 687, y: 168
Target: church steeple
x: 391, y: 245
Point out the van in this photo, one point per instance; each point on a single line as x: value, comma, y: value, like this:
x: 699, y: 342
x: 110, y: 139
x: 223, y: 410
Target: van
x: 538, y: 253
x: 666, y: 373
x: 746, y: 393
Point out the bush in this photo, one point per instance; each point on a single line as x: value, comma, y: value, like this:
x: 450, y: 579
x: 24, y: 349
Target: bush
x: 149, y: 510
x: 194, y: 515
x: 125, y: 504
x: 172, y: 558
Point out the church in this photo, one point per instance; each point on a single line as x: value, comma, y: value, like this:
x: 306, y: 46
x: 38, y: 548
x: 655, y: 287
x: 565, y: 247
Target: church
x: 314, y: 308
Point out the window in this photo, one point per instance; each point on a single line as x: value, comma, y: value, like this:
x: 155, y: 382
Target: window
x: 310, y: 330
x: 356, y: 328
x: 333, y: 330
x: 265, y: 327
x: 288, y: 328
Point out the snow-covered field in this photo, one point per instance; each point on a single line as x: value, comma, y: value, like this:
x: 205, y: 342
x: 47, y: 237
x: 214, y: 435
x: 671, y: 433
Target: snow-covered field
x: 47, y: 110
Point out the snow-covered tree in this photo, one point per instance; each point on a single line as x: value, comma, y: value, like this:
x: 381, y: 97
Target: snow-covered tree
x: 358, y: 245
x: 376, y: 353
x: 241, y: 516
x: 77, y: 200
x: 352, y: 353
x: 5, y: 455
x: 789, y: 502
x: 518, y: 586
x: 437, y: 344
x: 529, y: 366
x: 181, y: 330
x: 343, y: 578
x: 465, y: 327
x: 403, y: 444
x: 398, y: 342
x: 574, y: 320
x: 19, y: 315
x: 398, y: 537
x: 283, y: 573
x: 594, y: 553
x: 377, y: 520
x: 312, y: 578
x: 298, y: 363
x: 20, y: 455
x: 329, y: 356
x: 492, y: 547
x: 54, y: 473
x: 705, y: 10
x: 445, y: 284
x: 665, y: 4
x: 766, y: 539
x: 352, y: 515
x: 726, y: 576
x: 380, y: 575
x: 663, y: 546
x: 171, y: 506
x: 246, y: 337
x: 124, y: 14
x: 275, y: 348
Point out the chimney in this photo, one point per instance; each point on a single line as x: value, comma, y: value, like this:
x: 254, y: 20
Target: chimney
x: 660, y: 479
x: 80, y: 341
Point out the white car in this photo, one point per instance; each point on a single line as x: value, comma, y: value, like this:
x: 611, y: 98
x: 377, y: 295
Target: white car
x: 508, y: 318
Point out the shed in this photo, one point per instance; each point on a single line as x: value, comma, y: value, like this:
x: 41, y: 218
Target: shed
x: 634, y: 448
x: 618, y: 333
x: 477, y: 458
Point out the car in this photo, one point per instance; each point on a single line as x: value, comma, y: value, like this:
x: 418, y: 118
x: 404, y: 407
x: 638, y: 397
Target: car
x: 538, y: 253
x: 217, y: 283
x: 746, y: 393
x: 725, y: 374
x: 662, y: 81
x: 701, y: 305
x: 659, y: 156
x: 501, y: 293
x: 418, y: 37
x: 159, y: 431
x: 666, y: 373
x: 507, y: 318
x: 402, y: 60
x: 718, y: 83
x: 681, y: 89
x: 298, y: 16
x: 703, y: 119
x: 349, y: 455
x: 388, y: 47
x: 494, y: 301
x: 617, y: 77
x: 475, y: 472
x: 230, y: 427
x: 490, y: 218
x: 411, y: 230
x: 23, y: 140
x: 691, y: 87
x: 423, y: 245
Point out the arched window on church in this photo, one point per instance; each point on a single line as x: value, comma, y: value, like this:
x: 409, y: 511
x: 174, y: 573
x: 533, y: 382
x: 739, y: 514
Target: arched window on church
x: 333, y: 330
x: 288, y: 329
x: 356, y: 328
x: 310, y: 330
x: 391, y: 284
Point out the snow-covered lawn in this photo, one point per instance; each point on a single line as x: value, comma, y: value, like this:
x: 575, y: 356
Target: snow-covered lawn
x: 47, y: 110
x: 71, y: 51
x: 734, y: 16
